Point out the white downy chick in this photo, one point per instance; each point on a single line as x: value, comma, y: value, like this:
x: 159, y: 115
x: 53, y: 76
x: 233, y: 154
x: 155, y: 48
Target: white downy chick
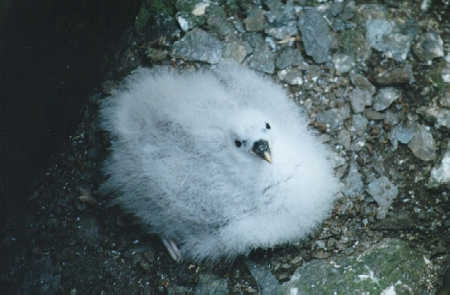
x: 217, y: 162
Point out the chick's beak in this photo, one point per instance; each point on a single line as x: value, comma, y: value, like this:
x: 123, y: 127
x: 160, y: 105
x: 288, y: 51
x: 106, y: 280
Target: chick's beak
x: 262, y: 149
x: 267, y: 157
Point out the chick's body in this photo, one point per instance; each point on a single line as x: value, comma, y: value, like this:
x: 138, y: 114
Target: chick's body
x: 183, y: 160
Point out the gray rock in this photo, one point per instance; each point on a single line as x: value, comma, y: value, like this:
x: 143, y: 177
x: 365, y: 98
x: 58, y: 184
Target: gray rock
x: 211, y: 284
x: 371, y: 11
x: 391, y: 118
x: 354, y: 43
x: 271, y: 43
x: 344, y: 138
x: 445, y: 73
x: 422, y: 144
x: 343, y: 63
x: 262, y: 59
x: 189, y: 5
x: 238, y: 25
x: 217, y: 21
x: 316, y: 36
x: 384, y: 36
x: 334, y: 118
x: 372, y: 115
x: 353, y: 184
x: 359, y: 124
x: 254, y: 21
x: 440, y: 116
x: 359, y: 99
x: 402, y: 134
x: 429, y: 46
x: 348, y: 10
x: 362, y: 83
x: 198, y: 45
x: 395, y: 76
x: 190, y: 13
x: 385, y: 97
x: 280, y: 14
x: 289, y: 57
x: 291, y: 76
x: 440, y: 174
x: 389, y: 267
x: 256, y: 40
x: 185, y: 20
x: 266, y: 281
x: 383, y: 192
x: 444, y: 100
x: 237, y: 50
x: 273, y: 4
x: 282, y: 32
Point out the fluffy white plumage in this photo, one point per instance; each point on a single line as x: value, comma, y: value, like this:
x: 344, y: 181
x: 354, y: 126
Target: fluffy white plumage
x: 177, y: 165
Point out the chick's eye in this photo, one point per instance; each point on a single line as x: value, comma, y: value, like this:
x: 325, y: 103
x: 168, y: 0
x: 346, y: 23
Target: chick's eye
x: 238, y: 143
x: 267, y: 126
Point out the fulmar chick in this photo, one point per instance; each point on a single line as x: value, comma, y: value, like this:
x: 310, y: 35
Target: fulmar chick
x: 217, y: 162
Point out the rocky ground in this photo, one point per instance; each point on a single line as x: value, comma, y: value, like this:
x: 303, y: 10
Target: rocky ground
x: 374, y: 80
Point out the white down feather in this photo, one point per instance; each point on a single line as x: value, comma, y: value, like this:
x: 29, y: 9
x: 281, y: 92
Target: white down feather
x: 176, y: 165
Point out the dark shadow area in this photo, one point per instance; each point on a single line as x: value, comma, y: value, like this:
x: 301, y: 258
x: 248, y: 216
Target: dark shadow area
x: 52, y: 55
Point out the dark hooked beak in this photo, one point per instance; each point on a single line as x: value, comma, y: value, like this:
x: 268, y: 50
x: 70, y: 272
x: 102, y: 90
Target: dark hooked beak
x: 262, y: 149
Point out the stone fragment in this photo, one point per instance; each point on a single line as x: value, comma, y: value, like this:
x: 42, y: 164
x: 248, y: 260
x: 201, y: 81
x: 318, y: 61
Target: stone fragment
x: 200, y: 8
x: 395, y: 76
x: 440, y: 116
x: 353, y: 184
x: 429, y: 46
x: 385, y: 97
x: 262, y: 60
x: 343, y: 63
x: 334, y: 118
x: 385, y: 36
x: 440, y: 174
x: 445, y: 73
x: 402, y: 134
x: 237, y: 50
x: 291, y: 76
x: 444, y: 100
x: 359, y: 99
x: 354, y: 43
x: 422, y: 144
x: 344, y: 138
x: 254, y: 21
x: 362, y: 83
x: 383, y: 191
x: 391, y: 118
x: 315, y: 35
x: 280, y: 14
x: 372, y: 115
x: 388, y: 267
x: 198, y: 45
x: 359, y: 124
x: 282, y: 32
x: 186, y: 21
x: 217, y: 22
x: 289, y: 57
x: 267, y: 282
